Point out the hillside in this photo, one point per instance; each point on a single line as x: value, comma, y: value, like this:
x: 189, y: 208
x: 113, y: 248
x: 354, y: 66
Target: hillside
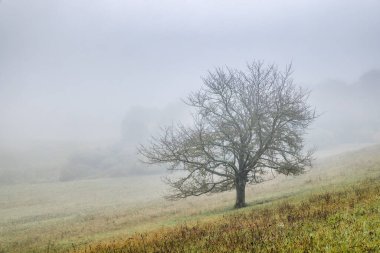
x: 343, y: 217
x: 347, y: 220
x: 80, y: 215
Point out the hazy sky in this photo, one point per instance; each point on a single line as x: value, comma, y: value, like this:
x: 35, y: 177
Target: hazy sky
x: 71, y: 69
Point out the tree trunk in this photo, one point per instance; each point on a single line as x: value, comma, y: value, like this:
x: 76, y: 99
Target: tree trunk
x: 240, y: 193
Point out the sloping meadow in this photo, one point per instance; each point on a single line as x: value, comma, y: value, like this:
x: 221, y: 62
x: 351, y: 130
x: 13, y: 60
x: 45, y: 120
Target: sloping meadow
x: 343, y: 218
x: 333, y: 207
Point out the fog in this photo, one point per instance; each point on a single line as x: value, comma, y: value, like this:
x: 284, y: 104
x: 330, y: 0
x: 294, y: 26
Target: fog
x: 82, y: 83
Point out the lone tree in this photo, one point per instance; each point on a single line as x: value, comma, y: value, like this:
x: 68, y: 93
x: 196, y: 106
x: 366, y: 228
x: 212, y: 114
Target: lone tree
x: 248, y: 127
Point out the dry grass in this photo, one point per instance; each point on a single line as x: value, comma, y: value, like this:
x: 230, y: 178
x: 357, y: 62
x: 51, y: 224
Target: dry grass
x: 60, y: 216
x: 343, y: 221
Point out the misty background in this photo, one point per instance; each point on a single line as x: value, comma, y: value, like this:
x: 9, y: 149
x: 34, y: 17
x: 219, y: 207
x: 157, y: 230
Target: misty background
x: 82, y: 83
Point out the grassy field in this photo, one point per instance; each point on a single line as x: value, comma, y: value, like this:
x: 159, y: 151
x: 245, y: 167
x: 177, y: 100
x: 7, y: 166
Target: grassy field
x: 119, y: 214
x: 347, y: 220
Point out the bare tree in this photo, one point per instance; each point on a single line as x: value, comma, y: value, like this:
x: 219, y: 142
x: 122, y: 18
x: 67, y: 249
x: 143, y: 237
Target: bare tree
x: 248, y: 127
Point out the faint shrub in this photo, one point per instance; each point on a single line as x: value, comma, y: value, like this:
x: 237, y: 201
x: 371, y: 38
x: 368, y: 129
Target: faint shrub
x: 7, y: 177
